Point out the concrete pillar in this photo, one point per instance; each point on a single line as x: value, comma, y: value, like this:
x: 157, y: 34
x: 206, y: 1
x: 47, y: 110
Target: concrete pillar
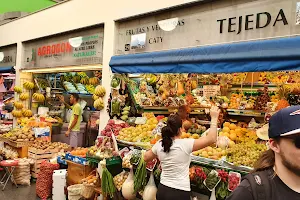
x: 108, y: 52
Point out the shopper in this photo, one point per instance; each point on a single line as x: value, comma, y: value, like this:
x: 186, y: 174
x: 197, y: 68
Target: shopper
x: 277, y: 172
x: 76, y: 118
x: 174, y: 155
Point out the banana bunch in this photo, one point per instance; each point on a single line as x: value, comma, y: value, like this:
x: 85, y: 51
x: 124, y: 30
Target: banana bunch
x: 38, y: 97
x: 151, y: 78
x: 100, y: 91
x: 17, y: 113
x: 95, y: 97
x: 94, y: 81
x: 18, y: 89
x: 28, y: 85
x: 84, y: 80
x: 24, y: 96
x: 18, y: 105
x: 99, y: 104
x: 81, y: 74
x: 90, y: 89
x: 27, y: 113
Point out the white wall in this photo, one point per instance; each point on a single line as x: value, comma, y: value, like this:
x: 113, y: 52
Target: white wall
x: 75, y: 14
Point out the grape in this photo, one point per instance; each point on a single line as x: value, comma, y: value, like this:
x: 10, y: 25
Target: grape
x: 245, y: 153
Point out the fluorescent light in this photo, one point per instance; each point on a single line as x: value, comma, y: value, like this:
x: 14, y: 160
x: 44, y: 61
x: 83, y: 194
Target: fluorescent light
x: 75, y: 42
x: 64, y: 69
x: 1, y: 56
x: 168, y: 24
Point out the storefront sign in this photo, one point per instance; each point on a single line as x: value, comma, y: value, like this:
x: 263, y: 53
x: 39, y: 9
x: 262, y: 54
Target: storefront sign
x: 210, y: 23
x: 80, y: 48
x: 249, y: 22
x: 211, y: 90
x: 8, y: 56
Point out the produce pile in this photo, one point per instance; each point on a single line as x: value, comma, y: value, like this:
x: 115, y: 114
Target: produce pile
x: 5, y: 128
x: 24, y: 134
x: 8, y: 153
x: 90, y: 180
x: 79, y: 83
x: 80, y: 152
x: 40, y: 144
x: 113, y: 128
x: 139, y: 133
x: 103, y: 149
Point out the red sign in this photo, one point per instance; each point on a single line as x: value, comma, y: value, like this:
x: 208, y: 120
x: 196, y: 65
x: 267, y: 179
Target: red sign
x: 55, y: 49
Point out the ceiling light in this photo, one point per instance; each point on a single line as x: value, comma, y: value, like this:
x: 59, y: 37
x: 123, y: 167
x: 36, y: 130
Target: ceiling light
x: 168, y: 24
x: 75, y: 42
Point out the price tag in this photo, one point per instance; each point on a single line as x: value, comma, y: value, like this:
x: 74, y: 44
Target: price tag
x: 211, y: 90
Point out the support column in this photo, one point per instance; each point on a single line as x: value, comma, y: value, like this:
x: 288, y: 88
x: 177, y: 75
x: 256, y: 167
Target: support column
x: 20, y: 50
x: 108, y: 52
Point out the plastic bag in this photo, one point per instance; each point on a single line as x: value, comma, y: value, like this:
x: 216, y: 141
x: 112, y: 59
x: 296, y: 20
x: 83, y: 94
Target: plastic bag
x: 120, y: 179
x: 128, y: 187
x: 150, y: 189
x: 44, y: 180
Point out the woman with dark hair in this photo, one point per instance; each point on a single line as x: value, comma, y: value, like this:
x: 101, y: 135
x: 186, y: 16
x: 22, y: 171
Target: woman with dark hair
x: 175, y: 157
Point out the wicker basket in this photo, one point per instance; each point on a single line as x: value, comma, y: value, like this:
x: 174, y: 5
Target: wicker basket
x: 74, y: 192
x: 88, y: 191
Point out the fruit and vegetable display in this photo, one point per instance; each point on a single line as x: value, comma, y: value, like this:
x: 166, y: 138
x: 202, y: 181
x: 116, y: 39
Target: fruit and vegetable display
x: 8, y: 153
x: 40, y: 144
x: 120, y: 179
x: 90, y: 180
x: 245, y: 154
x: 107, y: 182
x: 80, y: 152
x: 103, y: 149
x: 139, y: 133
x: 24, y: 134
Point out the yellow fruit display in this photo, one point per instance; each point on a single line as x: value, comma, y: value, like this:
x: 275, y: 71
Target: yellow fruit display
x: 18, y: 105
x: 100, y: 91
x: 18, y: 89
x: 17, y: 113
x: 27, y: 113
x: 38, y: 97
x: 99, y: 104
x: 95, y: 97
x: 226, y: 130
x: 94, y: 81
x: 232, y: 126
x: 140, y: 133
x: 238, y: 134
x: 28, y: 85
x: 245, y: 153
x: 24, y: 96
x: 211, y: 153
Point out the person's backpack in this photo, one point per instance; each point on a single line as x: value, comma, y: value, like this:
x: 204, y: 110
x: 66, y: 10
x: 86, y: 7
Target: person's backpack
x: 260, y: 185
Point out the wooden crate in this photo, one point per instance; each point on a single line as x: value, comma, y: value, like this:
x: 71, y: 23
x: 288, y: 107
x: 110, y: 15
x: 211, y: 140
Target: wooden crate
x: 39, y: 156
x: 77, y: 172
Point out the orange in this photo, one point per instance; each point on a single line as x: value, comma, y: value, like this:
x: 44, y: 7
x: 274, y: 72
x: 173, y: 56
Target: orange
x: 232, y: 136
x: 226, y: 130
x: 232, y: 126
x: 153, y: 141
x: 226, y: 124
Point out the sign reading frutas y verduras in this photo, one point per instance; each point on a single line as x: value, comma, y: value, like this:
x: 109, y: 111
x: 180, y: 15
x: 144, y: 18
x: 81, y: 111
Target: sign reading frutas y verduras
x: 80, y: 48
x: 8, y: 56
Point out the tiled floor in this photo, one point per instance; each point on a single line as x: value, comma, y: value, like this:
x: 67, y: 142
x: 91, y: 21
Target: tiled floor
x: 20, y: 193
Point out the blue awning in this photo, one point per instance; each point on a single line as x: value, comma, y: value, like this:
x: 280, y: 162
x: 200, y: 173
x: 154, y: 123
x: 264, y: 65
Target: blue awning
x: 264, y: 55
x: 8, y: 69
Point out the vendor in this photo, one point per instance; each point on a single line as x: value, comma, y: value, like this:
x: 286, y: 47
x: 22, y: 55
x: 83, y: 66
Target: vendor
x: 183, y: 112
x: 76, y: 118
x: 175, y: 156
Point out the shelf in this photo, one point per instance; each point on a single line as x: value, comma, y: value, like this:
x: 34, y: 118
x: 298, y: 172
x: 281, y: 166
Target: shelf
x: 247, y: 113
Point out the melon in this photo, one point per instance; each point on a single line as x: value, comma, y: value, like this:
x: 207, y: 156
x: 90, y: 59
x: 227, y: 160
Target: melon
x: 187, y: 125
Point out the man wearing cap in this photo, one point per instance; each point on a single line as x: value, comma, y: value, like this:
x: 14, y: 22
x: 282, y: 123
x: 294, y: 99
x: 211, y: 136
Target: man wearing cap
x: 276, y: 175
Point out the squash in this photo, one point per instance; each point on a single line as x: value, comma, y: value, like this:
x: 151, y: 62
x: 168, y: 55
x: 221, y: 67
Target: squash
x: 180, y: 89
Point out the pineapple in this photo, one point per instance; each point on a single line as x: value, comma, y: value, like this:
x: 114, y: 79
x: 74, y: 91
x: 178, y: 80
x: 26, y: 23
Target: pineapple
x: 283, y: 91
